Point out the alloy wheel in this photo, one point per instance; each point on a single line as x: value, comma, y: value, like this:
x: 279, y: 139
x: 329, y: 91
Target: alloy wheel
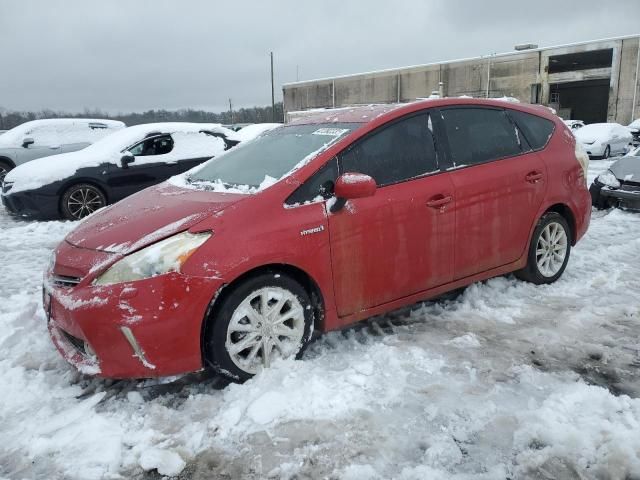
x: 84, y: 201
x: 3, y: 173
x: 268, y: 324
x: 551, y: 249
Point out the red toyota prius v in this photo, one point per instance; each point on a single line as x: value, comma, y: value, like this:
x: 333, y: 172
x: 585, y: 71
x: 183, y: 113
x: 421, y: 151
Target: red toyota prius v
x: 335, y: 217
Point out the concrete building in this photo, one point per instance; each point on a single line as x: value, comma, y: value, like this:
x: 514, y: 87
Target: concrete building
x: 594, y: 81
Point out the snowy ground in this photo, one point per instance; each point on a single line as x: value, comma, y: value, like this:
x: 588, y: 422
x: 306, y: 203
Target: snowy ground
x: 507, y: 380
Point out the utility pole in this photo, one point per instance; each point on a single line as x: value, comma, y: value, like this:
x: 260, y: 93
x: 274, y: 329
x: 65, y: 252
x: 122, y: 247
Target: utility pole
x: 273, y: 93
x: 231, y: 111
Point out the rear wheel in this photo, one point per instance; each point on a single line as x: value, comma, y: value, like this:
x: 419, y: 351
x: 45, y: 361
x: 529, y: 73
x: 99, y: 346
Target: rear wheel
x: 548, y: 251
x: 81, y: 200
x: 4, y: 169
x: 607, y: 152
x: 264, y: 318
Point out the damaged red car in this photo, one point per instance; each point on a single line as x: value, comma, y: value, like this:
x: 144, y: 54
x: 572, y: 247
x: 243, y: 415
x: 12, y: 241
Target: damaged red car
x: 335, y: 217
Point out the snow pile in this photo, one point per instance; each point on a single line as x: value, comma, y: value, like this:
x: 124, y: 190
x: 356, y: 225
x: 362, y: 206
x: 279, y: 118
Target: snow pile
x: 188, y: 143
x: 506, y: 380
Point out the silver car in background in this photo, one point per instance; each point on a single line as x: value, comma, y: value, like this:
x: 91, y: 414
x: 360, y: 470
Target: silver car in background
x: 42, y: 138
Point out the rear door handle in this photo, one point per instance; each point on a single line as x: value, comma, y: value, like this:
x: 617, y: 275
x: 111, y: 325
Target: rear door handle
x: 439, y: 201
x: 533, y: 177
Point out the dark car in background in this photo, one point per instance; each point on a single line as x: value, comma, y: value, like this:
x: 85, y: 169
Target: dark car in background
x: 619, y: 186
x: 76, y: 184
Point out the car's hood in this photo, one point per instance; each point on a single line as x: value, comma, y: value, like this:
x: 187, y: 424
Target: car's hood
x: 47, y: 170
x: 146, y: 217
x: 627, y: 169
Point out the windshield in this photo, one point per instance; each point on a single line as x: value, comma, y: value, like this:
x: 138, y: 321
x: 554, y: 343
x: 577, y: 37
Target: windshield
x: 271, y: 155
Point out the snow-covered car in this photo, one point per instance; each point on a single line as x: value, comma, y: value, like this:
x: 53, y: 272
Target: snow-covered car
x: 634, y: 128
x: 73, y: 185
x: 43, y: 138
x: 619, y: 186
x: 574, y: 124
x: 602, y: 140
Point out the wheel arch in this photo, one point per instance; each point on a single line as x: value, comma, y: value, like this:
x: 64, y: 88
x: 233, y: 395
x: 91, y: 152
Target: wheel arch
x: 8, y: 161
x: 302, y: 277
x: 567, y: 214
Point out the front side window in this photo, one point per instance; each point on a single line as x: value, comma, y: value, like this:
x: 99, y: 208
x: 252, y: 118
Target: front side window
x: 479, y: 135
x: 159, y: 145
x: 401, y: 151
x: 318, y: 187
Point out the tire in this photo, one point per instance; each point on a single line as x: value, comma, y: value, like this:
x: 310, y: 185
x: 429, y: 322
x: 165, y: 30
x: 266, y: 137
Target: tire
x: 535, y: 271
x: 230, y: 326
x: 596, y: 198
x: 607, y: 152
x: 81, y: 200
x: 4, y: 169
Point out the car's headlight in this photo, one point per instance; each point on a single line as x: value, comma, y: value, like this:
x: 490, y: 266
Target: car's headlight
x: 609, y: 179
x: 166, y: 256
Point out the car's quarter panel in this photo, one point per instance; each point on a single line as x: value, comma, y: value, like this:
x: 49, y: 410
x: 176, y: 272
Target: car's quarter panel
x: 393, y: 244
x: 496, y: 204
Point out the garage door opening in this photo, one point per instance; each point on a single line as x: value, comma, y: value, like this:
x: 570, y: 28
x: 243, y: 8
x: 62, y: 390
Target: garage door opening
x: 586, y: 100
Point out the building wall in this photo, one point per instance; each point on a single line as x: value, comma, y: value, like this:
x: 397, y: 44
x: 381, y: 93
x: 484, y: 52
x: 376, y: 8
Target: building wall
x: 513, y: 75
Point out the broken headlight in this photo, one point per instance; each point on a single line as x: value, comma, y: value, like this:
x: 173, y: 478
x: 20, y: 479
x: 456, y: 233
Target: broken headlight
x: 165, y: 256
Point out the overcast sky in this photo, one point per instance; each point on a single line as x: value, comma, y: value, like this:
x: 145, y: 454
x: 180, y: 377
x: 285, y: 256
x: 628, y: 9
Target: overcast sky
x: 127, y: 55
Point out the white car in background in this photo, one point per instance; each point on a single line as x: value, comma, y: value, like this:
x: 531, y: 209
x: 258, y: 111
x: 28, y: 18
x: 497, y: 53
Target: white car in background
x: 603, y: 140
x: 43, y: 138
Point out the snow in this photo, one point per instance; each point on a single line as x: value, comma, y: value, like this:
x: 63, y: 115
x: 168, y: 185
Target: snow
x: 188, y: 143
x: 601, y: 132
x: 59, y: 131
x: 252, y: 131
x: 505, y: 380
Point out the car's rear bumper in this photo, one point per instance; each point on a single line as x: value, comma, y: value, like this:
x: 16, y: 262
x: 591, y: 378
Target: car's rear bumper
x: 148, y: 328
x: 30, y: 204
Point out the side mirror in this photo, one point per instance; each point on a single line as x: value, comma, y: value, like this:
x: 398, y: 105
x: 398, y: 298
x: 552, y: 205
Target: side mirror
x: 27, y: 141
x: 352, y: 185
x: 126, y: 160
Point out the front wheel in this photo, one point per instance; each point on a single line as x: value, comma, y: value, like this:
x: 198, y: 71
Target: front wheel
x: 548, y: 251
x: 607, y: 152
x: 81, y: 200
x: 264, y: 318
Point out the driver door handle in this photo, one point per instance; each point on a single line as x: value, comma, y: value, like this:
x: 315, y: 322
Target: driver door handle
x: 533, y: 177
x: 439, y: 201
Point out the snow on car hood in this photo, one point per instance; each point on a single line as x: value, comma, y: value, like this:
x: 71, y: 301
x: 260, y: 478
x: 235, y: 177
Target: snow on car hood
x: 146, y: 217
x: 627, y: 169
x: 188, y: 143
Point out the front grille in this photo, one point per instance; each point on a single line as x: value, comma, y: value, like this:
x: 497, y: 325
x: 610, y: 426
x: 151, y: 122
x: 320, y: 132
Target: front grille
x: 65, y: 281
x: 630, y: 186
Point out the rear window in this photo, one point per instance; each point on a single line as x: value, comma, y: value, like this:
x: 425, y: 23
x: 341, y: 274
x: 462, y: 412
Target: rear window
x: 536, y: 130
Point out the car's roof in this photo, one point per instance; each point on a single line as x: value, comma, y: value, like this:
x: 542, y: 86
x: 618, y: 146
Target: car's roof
x: 368, y: 113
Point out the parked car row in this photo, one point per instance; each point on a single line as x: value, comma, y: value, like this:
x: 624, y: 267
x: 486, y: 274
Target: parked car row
x: 332, y: 218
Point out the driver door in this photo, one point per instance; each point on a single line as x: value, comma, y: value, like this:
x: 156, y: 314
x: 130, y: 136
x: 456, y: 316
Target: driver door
x: 153, y: 163
x: 400, y: 241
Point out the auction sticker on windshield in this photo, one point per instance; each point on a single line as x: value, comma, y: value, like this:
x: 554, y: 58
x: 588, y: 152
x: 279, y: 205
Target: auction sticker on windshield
x: 331, y: 132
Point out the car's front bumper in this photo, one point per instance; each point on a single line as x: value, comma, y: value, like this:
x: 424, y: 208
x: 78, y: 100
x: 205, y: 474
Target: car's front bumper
x: 31, y: 204
x: 148, y: 328
x: 625, y: 197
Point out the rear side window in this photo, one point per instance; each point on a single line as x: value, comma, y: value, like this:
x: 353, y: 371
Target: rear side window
x: 479, y: 135
x: 402, y: 151
x: 536, y: 130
